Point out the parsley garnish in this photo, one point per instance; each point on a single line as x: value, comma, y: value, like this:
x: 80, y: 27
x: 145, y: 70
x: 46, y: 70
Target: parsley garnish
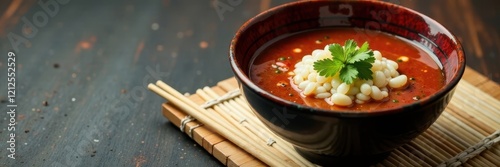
x: 352, y: 63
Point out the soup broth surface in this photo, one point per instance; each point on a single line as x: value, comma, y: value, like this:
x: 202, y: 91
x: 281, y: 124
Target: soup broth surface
x: 425, y: 75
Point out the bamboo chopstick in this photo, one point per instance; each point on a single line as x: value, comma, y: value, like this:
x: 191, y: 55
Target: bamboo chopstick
x: 249, y: 114
x: 246, y: 133
x: 253, y: 126
x: 192, y: 109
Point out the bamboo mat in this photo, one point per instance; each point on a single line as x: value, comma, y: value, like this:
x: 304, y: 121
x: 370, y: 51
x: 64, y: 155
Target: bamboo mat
x: 472, y: 114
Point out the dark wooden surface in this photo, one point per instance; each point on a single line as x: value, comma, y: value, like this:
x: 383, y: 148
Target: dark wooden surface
x: 90, y: 60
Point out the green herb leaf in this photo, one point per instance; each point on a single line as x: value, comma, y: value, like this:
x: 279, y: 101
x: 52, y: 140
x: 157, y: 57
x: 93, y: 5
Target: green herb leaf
x: 337, y: 52
x: 362, y: 54
x: 328, y: 67
x: 364, y: 48
x: 349, y: 47
x: 359, y: 57
x: 348, y: 74
x: 364, y: 70
x: 350, y: 62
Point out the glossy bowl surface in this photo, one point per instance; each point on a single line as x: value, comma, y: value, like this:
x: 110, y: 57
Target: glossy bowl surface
x: 344, y: 137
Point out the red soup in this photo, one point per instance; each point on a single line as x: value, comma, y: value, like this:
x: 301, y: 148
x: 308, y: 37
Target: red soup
x: 425, y: 76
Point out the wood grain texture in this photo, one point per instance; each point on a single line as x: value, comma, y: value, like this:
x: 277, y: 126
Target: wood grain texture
x: 106, y: 51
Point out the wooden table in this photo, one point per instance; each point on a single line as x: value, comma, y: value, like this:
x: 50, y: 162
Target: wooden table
x: 91, y: 60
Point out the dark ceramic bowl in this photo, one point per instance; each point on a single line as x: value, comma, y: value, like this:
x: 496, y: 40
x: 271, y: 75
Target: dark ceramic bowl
x: 344, y: 137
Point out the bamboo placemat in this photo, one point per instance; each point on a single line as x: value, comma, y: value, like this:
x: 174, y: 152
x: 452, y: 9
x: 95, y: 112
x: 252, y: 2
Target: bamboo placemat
x: 472, y: 115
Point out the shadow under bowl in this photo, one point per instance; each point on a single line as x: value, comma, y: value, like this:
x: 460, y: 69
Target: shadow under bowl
x: 329, y: 137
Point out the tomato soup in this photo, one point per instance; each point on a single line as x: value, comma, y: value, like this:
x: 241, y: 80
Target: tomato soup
x: 425, y: 76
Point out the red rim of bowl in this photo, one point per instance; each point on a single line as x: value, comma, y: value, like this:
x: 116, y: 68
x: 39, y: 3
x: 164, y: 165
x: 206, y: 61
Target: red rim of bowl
x: 243, y: 77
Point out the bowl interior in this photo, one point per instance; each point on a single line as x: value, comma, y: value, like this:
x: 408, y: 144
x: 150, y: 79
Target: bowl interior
x: 362, y: 15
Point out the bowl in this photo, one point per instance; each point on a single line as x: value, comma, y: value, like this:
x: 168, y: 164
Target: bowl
x: 328, y: 137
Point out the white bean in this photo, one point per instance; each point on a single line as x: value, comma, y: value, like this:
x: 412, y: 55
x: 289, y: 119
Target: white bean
x: 343, y: 88
x: 308, y: 57
x: 396, y: 73
x: 366, y: 89
x: 384, y: 93
x: 379, y: 79
x: 311, y: 69
x: 323, y: 95
x: 327, y: 86
x: 324, y: 55
x: 359, y: 101
x: 383, y: 63
x: 392, y: 71
x: 376, y: 94
x: 297, y: 79
x: 320, y: 79
x: 393, y: 64
x: 333, y: 91
x: 341, y: 99
x: 297, y: 70
x: 304, y: 73
x: 320, y: 89
x: 303, y: 85
x: 362, y: 96
x: 377, y: 55
x: 316, y: 52
x: 353, y: 90
x: 369, y: 82
x: 398, y: 81
x: 335, y: 82
x: 308, y: 61
x: 376, y: 66
x: 311, y: 77
x: 310, y: 88
x: 298, y: 65
x: 387, y: 73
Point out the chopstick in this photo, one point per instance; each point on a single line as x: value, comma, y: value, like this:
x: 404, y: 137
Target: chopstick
x: 243, y: 127
x: 242, y: 107
x: 253, y: 128
x: 221, y: 127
